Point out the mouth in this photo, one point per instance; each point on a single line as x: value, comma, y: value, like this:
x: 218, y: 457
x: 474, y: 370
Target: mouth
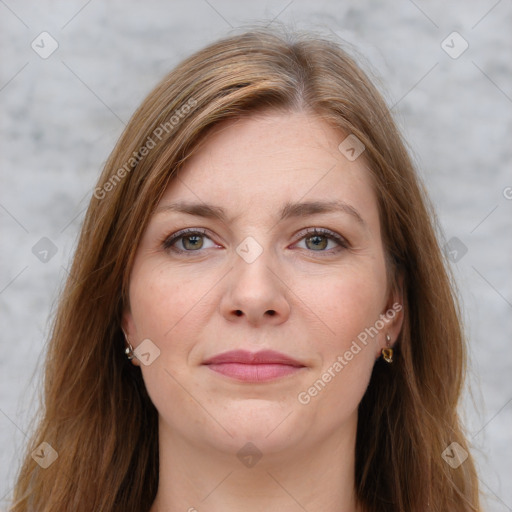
x: 254, y: 366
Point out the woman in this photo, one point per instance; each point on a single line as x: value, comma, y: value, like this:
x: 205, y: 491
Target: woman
x: 259, y: 316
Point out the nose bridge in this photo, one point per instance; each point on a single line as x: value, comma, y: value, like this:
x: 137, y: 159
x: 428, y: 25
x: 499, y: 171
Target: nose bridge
x: 252, y: 264
x: 255, y: 292
x: 250, y: 250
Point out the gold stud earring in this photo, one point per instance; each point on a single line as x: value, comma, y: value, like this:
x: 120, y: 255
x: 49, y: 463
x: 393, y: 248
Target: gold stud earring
x: 387, y: 353
x: 129, y: 349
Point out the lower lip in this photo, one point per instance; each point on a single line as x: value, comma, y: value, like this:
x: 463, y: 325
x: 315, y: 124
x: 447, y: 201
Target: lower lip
x: 254, y: 372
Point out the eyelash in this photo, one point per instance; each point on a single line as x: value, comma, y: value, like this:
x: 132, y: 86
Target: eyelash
x: 168, y: 242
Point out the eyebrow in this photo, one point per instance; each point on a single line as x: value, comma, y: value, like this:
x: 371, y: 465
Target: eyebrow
x: 290, y: 210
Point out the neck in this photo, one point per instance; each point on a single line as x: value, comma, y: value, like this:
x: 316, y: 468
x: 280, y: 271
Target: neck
x: 315, y: 476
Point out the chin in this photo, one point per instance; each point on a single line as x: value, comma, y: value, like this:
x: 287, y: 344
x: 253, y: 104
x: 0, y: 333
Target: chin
x: 269, y: 428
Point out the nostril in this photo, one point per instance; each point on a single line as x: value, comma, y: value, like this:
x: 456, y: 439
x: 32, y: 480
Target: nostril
x: 238, y: 313
x: 271, y: 312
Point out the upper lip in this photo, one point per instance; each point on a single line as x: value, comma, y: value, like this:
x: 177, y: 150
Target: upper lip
x: 245, y: 357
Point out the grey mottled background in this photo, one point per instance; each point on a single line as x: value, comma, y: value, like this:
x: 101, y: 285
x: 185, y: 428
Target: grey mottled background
x: 61, y: 115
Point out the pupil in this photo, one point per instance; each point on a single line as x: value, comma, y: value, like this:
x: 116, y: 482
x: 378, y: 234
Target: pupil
x: 318, y: 241
x: 193, y: 242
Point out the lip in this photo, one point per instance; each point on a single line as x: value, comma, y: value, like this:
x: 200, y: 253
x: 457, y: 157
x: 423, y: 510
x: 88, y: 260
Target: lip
x: 253, y: 366
x: 246, y: 357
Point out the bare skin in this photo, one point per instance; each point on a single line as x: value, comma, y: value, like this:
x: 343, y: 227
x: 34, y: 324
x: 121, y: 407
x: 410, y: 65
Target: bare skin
x: 307, y: 295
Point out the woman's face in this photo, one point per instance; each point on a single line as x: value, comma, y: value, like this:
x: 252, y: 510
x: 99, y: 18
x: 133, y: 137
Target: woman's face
x: 252, y: 275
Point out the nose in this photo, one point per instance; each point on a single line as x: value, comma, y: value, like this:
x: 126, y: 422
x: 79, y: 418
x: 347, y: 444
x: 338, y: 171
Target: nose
x: 255, y: 294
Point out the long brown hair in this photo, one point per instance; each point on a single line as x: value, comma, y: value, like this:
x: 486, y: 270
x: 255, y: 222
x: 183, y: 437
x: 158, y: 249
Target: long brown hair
x: 96, y: 412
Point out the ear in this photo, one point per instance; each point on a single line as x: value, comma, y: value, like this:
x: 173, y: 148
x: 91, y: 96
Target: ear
x: 393, y: 313
x: 130, y: 332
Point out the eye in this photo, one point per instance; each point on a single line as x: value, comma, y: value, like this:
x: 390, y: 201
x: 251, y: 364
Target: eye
x: 188, y: 240
x: 322, y: 240
x: 313, y: 239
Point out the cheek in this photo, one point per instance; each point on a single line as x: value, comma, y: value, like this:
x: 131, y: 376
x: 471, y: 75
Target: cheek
x: 164, y: 304
x: 346, y: 302
x: 161, y: 298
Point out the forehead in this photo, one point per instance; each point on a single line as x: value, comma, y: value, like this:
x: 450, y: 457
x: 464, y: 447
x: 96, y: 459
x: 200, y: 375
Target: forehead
x: 267, y: 160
